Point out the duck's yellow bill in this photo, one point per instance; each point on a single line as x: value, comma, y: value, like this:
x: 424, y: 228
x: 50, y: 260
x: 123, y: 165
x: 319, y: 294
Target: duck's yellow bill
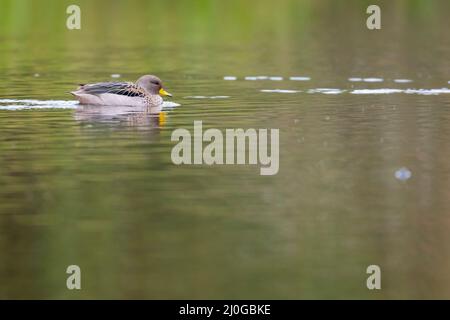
x: 164, y: 93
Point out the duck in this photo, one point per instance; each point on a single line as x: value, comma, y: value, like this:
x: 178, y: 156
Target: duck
x: 147, y: 91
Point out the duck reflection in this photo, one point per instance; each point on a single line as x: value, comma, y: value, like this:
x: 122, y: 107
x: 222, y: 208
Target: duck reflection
x: 140, y: 117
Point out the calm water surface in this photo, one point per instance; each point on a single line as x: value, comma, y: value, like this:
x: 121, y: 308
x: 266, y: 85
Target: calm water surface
x: 364, y: 178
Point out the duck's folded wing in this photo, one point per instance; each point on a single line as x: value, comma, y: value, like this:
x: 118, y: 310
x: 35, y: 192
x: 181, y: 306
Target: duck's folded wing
x: 121, y: 88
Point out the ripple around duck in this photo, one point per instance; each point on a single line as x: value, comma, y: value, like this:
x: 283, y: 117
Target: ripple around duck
x: 305, y: 78
x: 273, y: 78
x: 26, y: 104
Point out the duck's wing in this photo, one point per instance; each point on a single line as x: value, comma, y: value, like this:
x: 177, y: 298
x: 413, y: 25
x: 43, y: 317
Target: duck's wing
x: 122, y: 88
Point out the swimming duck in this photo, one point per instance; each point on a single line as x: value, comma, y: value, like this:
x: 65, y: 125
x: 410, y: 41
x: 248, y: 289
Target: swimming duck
x: 146, y: 92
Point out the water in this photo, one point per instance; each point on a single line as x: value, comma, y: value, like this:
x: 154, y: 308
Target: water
x: 96, y: 187
x: 403, y: 174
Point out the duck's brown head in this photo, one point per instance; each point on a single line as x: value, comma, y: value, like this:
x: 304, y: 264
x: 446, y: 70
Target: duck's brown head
x: 153, y: 85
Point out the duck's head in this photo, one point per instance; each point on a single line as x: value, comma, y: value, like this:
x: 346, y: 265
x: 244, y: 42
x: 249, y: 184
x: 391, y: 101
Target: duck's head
x: 153, y: 85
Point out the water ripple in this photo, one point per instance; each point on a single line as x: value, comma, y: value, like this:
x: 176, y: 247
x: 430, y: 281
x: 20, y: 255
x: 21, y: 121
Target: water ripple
x: 26, y: 104
x: 373, y: 80
x: 300, y: 78
x: 18, y: 104
x: 326, y: 91
x: 376, y: 91
x: 363, y: 91
x: 207, y: 97
x: 280, y: 91
x: 402, y: 80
